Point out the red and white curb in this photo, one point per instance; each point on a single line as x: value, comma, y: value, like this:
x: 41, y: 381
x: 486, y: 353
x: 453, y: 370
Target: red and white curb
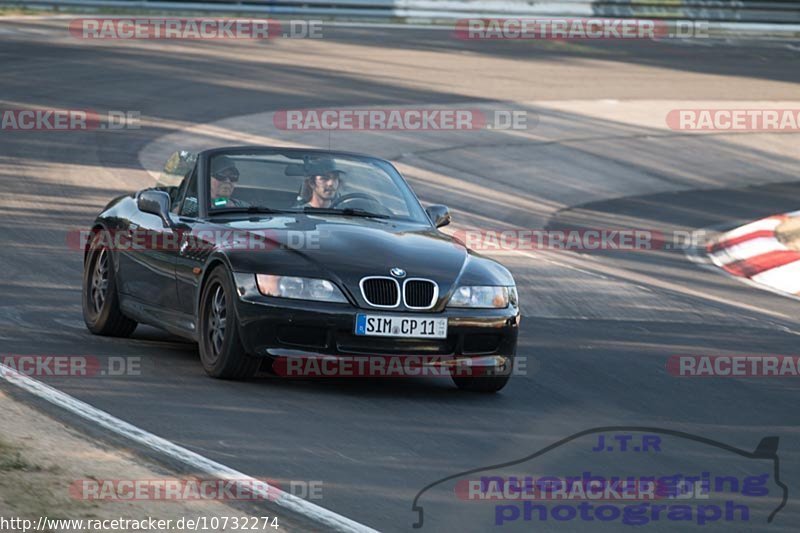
x: 754, y: 252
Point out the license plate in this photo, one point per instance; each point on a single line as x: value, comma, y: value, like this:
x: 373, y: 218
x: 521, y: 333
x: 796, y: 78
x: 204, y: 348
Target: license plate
x: 416, y: 327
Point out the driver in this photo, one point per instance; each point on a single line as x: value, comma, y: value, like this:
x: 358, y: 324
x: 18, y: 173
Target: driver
x: 321, y: 187
x: 224, y: 176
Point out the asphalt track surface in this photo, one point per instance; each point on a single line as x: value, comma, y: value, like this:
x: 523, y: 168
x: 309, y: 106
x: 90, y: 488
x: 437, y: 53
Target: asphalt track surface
x: 597, y: 329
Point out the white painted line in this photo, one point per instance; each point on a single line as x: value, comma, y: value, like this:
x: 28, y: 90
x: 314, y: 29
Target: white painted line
x: 202, y: 464
x: 785, y: 278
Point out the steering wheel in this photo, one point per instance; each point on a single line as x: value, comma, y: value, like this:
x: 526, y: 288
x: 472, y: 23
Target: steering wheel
x: 354, y: 196
x: 362, y: 196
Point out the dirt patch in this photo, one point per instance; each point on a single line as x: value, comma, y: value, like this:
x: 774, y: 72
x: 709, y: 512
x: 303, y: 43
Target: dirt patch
x: 41, y: 460
x: 789, y: 233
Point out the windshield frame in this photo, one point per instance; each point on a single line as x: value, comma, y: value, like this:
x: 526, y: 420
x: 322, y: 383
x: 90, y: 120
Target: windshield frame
x: 417, y: 213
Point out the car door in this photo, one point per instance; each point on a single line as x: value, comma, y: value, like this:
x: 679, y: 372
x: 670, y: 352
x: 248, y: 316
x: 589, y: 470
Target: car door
x: 192, y: 248
x: 149, y: 259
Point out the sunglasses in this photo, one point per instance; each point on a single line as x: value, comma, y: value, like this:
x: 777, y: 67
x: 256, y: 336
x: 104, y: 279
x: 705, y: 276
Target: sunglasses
x: 327, y: 177
x: 231, y: 176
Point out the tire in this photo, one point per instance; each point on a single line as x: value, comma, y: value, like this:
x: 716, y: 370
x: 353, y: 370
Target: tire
x: 489, y: 383
x: 221, y: 350
x: 101, y: 311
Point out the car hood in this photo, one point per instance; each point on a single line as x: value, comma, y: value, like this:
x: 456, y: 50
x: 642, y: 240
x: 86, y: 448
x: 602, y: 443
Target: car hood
x: 350, y: 250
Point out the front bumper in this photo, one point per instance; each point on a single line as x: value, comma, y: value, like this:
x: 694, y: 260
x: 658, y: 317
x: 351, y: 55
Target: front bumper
x: 278, y: 327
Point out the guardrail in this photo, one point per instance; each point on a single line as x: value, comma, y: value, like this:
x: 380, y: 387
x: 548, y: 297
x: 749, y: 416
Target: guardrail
x: 748, y: 11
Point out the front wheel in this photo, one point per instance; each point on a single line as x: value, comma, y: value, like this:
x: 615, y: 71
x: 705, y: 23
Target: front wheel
x: 221, y: 350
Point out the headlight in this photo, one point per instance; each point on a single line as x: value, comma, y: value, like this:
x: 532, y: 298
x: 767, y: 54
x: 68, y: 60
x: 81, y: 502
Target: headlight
x: 320, y: 290
x: 482, y: 297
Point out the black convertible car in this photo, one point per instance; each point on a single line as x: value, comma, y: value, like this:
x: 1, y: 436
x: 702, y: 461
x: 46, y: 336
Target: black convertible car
x: 260, y: 254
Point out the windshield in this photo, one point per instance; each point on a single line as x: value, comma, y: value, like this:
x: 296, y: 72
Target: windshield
x: 310, y: 182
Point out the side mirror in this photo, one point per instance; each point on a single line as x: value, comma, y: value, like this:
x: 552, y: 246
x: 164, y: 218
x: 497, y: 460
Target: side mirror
x: 156, y: 203
x: 172, y: 191
x: 439, y: 215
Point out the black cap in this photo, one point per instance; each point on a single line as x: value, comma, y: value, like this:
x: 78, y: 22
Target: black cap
x: 321, y: 167
x: 222, y: 164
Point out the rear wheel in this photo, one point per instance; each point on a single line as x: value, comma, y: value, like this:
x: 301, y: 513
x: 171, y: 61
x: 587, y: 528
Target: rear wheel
x: 221, y: 350
x: 101, y: 311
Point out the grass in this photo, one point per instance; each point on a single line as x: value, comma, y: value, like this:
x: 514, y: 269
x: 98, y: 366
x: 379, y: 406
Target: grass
x: 19, y: 10
x: 11, y: 460
x: 14, y: 462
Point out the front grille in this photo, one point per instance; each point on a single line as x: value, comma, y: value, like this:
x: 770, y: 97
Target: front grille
x: 420, y: 293
x: 381, y: 292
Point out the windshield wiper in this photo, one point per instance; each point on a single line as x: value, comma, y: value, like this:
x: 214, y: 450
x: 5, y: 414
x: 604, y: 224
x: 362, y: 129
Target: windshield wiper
x: 347, y: 211
x: 251, y: 210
